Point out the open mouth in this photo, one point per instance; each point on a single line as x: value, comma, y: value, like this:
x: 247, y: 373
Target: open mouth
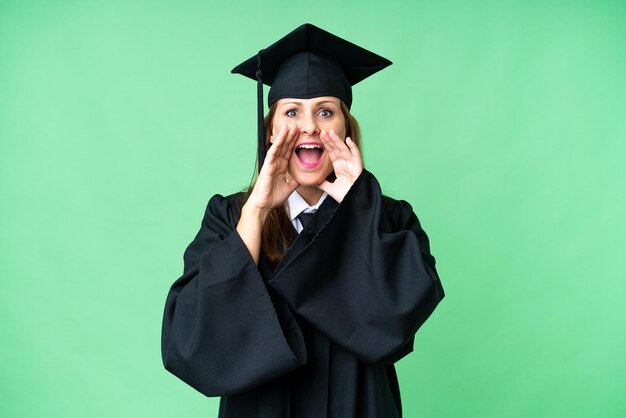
x: 309, y: 154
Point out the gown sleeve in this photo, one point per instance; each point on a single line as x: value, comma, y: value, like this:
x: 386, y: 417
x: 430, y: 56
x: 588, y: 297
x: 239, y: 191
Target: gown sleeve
x: 222, y: 333
x: 362, y: 273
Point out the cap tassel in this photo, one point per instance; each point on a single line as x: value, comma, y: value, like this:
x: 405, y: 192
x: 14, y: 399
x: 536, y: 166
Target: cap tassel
x: 261, y: 128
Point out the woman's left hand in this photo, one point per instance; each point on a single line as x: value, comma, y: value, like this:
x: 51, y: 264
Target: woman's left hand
x: 347, y: 164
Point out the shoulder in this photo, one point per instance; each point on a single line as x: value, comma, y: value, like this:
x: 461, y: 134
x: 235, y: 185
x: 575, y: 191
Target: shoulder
x: 219, y: 221
x: 397, y: 206
x: 398, y: 211
x: 232, y: 201
x: 224, y: 208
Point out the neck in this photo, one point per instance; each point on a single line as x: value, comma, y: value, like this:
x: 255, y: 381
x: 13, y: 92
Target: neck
x: 310, y: 194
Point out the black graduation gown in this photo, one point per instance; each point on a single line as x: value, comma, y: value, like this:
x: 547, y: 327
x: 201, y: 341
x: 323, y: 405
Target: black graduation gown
x: 317, y: 336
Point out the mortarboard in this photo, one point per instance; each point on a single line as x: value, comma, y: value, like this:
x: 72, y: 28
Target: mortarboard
x: 306, y: 63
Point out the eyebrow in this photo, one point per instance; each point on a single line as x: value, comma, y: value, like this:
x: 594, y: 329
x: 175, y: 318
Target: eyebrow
x: 326, y: 101
x: 316, y: 103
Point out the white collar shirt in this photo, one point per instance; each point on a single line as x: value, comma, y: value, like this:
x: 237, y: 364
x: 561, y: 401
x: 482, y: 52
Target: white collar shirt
x: 297, y: 205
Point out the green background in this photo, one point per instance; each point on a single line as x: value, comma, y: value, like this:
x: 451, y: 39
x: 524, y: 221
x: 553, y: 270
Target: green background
x: 502, y: 122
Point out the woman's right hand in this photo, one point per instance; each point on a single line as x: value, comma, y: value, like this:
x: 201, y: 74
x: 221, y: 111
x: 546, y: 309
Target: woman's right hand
x: 272, y: 188
x: 274, y: 183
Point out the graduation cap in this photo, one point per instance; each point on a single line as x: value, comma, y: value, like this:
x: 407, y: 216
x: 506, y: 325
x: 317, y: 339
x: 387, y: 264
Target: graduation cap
x: 306, y: 63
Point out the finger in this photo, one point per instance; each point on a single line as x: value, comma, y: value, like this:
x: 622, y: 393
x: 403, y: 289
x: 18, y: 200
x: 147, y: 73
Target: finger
x: 329, y: 146
x: 291, y: 182
x: 290, y: 142
x: 353, y: 148
x: 283, y: 131
x: 340, y: 147
x: 325, y: 186
x: 329, y: 138
x: 279, y: 143
x: 325, y: 135
x: 273, y: 152
x: 357, y: 160
x: 284, y: 137
x: 283, y: 145
x: 339, y: 142
x: 291, y: 147
x: 275, y: 140
x: 332, y: 190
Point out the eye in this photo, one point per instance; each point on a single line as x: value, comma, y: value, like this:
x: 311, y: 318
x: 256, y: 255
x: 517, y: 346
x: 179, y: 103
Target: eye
x: 291, y: 113
x: 325, y: 113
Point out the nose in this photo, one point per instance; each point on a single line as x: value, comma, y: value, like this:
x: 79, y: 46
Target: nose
x: 308, y: 125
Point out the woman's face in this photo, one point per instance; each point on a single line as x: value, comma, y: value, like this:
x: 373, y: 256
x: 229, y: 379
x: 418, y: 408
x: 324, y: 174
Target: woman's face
x: 310, y: 164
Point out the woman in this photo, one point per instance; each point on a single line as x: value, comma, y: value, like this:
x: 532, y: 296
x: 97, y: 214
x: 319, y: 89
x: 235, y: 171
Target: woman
x: 288, y: 315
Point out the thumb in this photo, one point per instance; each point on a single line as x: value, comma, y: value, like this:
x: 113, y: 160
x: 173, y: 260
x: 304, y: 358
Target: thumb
x: 291, y: 182
x: 325, y: 186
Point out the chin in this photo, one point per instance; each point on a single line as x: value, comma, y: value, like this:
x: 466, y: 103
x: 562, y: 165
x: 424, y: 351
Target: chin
x: 309, y: 179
